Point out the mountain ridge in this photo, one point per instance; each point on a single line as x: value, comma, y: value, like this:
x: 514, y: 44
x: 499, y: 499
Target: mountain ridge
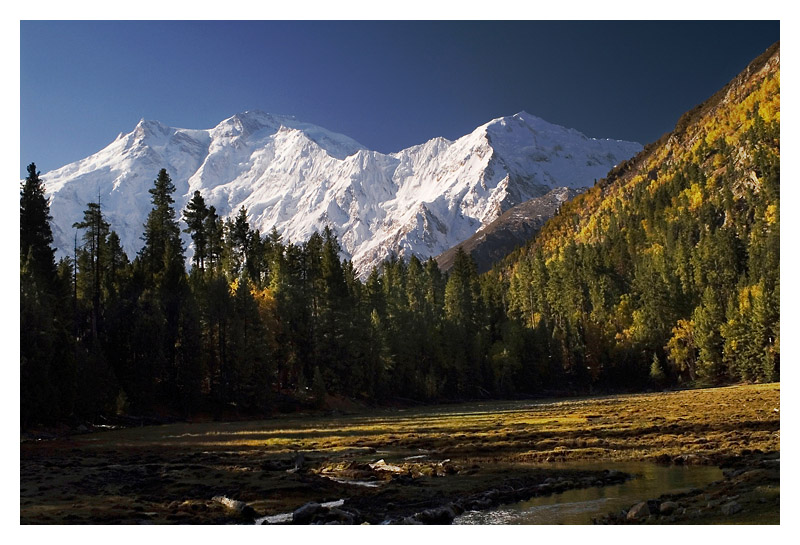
x: 299, y: 178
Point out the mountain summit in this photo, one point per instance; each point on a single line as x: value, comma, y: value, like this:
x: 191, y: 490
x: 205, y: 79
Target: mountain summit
x: 298, y: 178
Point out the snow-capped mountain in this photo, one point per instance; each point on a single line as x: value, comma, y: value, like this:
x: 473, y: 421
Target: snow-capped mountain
x: 299, y: 177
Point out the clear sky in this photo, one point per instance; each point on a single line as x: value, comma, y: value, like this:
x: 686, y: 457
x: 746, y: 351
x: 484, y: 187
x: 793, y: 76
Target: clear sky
x: 387, y: 84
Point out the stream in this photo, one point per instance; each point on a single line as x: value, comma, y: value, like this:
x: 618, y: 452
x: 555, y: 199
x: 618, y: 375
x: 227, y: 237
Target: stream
x: 581, y: 505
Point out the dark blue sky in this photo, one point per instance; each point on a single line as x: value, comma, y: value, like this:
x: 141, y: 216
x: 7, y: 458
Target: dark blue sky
x: 388, y: 84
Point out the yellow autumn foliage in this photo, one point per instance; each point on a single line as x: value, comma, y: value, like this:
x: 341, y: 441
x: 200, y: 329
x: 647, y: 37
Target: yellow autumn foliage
x: 771, y: 214
x: 695, y: 197
x: 747, y: 294
x: 585, y: 219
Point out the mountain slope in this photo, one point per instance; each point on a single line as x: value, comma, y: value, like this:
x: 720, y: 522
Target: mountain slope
x: 298, y: 178
x: 513, y: 228
x: 670, y: 265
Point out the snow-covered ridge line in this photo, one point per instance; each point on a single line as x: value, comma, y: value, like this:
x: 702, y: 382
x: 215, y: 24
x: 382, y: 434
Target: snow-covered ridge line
x: 298, y: 178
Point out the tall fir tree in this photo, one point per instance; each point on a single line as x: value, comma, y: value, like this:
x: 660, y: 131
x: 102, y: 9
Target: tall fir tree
x: 91, y: 259
x: 47, y: 349
x: 162, y: 241
x: 196, y: 215
x: 162, y: 262
x: 37, y: 255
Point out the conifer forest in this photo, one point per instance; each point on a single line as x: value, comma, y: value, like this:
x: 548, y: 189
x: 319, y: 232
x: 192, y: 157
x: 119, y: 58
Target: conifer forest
x: 665, y: 273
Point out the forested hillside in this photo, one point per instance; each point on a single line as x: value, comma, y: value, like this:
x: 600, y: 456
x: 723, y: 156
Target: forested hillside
x: 666, y: 271
x: 671, y: 265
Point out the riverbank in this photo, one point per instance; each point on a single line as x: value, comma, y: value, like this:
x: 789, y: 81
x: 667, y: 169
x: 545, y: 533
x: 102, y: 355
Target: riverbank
x: 452, y: 457
x: 748, y: 493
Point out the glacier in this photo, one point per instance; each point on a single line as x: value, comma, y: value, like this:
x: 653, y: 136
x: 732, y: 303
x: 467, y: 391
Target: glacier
x: 299, y: 178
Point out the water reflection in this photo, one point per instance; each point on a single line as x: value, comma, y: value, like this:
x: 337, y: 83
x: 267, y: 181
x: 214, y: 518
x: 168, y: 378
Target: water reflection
x: 580, y: 506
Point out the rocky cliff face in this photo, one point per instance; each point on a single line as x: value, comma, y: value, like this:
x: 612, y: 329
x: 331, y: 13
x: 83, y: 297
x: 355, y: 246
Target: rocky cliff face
x: 513, y: 228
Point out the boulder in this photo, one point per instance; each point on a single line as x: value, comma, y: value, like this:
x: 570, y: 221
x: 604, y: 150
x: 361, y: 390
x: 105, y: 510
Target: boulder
x: 381, y: 465
x: 639, y: 511
x: 667, y: 507
x: 441, y: 515
x: 304, y: 514
x: 544, y: 489
x: 456, y: 508
x: 238, y: 507
x: 339, y: 516
x: 731, y: 508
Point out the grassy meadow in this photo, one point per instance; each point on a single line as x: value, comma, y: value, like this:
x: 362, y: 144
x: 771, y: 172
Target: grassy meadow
x: 171, y: 473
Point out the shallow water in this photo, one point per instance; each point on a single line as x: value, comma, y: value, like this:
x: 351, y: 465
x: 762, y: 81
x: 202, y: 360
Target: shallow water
x: 579, y: 506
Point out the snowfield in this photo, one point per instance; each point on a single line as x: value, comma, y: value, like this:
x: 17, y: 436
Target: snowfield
x: 298, y: 178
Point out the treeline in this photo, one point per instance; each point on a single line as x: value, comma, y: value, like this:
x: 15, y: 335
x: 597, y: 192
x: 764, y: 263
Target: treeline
x: 667, y: 274
x: 254, y: 321
x: 255, y: 324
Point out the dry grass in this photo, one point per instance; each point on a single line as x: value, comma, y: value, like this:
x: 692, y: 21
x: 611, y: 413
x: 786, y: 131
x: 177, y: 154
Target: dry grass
x: 119, y: 474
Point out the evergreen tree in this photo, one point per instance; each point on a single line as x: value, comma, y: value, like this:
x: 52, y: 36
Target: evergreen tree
x: 162, y: 243
x: 248, y: 358
x: 240, y: 241
x: 656, y: 372
x: 162, y: 262
x: 92, y: 261
x: 334, y: 315
x: 462, y: 309
x: 213, y: 229
x: 37, y: 255
x: 116, y: 268
x: 47, y: 351
x: 708, y: 319
x: 196, y: 217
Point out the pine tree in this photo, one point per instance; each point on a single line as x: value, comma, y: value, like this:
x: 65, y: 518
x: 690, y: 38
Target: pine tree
x: 213, y: 228
x: 161, y: 231
x: 462, y: 309
x: 162, y: 262
x: 656, y: 372
x: 91, y: 261
x: 461, y: 291
x: 708, y: 318
x: 37, y: 255
x: 334, y: 313
x: 117, y: 266
x: 240, y: 241
x: 196, y: 215
x: 318, y: 389
x: 47, y: 354
x: 249, y: 365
